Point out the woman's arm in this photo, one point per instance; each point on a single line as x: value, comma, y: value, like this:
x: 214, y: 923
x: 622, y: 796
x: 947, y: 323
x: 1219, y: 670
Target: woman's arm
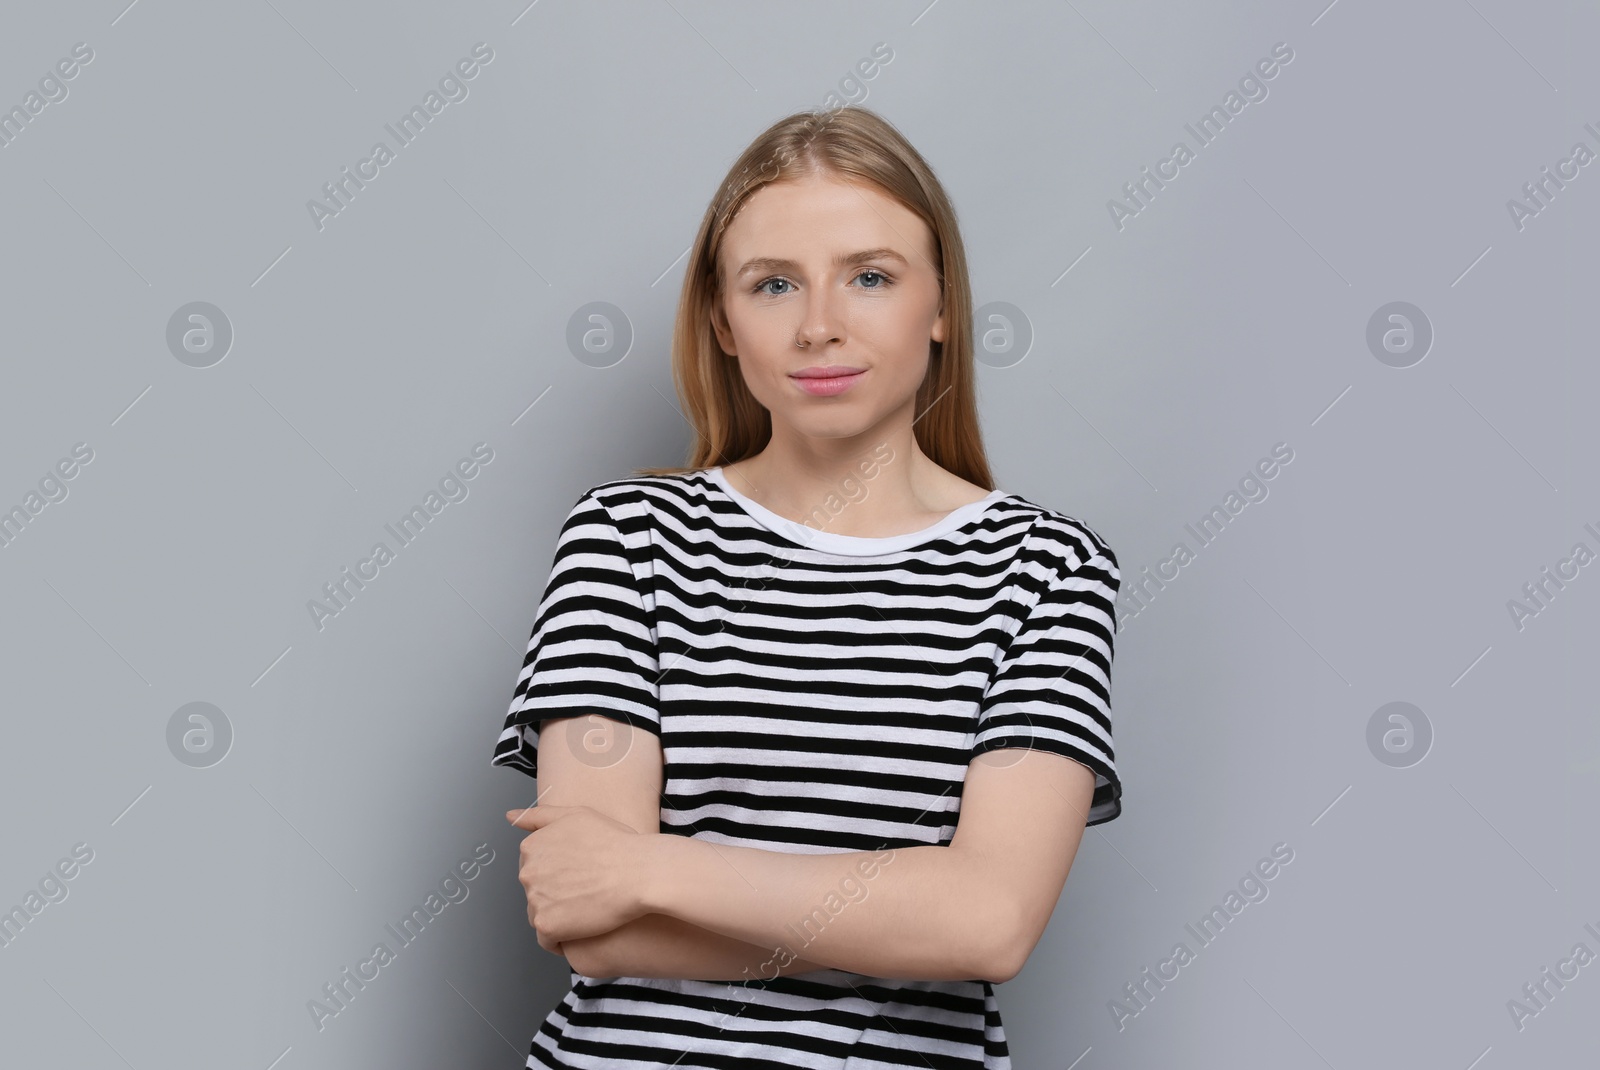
x: 627, y: 786
x: 972, y: 910
x: 658, y: 945
x: 927, y: 912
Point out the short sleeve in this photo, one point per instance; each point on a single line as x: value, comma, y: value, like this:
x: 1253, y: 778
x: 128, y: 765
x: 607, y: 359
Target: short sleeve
x: 1051, y: 688
x: 593, y: 646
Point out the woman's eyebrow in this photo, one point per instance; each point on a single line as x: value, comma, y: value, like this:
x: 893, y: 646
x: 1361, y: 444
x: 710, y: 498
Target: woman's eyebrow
x: 772, y: 263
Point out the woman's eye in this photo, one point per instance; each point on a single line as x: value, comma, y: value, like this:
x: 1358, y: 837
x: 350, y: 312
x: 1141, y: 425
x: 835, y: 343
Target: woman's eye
x: 882, y: 282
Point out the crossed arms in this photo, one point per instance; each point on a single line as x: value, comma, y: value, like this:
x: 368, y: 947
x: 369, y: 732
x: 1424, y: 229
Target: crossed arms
x: 972, y: 910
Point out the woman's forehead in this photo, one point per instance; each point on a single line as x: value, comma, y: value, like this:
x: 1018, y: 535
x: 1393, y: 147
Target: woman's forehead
x: 821, y: 220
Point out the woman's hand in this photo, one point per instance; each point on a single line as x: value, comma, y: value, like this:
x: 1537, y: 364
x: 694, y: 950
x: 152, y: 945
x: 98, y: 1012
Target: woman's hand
x: 581, y: 871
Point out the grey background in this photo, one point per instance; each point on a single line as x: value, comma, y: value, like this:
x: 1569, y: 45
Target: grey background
x: 432, y: 314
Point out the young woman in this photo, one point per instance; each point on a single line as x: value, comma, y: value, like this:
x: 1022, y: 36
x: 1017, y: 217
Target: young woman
x: 762, y: 688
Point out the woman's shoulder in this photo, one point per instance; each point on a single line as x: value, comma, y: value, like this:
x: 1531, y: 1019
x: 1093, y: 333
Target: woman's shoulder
x: 1064, y: 534
x: 635, y: 501
x: 637, y: 488
x: 1070, y: 536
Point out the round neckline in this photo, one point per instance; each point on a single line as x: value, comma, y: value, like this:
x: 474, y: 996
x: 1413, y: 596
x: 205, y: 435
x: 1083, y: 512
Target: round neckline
x: 850, y: 545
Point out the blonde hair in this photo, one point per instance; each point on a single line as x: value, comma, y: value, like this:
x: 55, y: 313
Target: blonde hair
x: 854, y: 143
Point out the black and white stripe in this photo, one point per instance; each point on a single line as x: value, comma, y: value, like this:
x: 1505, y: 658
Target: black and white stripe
x: 813, y: 693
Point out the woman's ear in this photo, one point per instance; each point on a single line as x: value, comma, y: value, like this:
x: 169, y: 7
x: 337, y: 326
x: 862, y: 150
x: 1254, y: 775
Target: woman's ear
x: 719, y: 326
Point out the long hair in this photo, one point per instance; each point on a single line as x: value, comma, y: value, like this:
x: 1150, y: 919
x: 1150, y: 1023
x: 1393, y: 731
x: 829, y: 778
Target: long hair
x: 851, y: 143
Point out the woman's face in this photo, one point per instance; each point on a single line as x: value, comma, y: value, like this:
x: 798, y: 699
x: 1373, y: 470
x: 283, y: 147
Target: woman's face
x: 846, y: 269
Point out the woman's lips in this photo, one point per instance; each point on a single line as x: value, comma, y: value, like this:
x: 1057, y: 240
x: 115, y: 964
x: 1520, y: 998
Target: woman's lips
x: 827, y: 386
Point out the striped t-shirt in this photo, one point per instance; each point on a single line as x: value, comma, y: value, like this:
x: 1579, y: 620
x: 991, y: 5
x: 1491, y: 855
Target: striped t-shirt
x: 813, y: 692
